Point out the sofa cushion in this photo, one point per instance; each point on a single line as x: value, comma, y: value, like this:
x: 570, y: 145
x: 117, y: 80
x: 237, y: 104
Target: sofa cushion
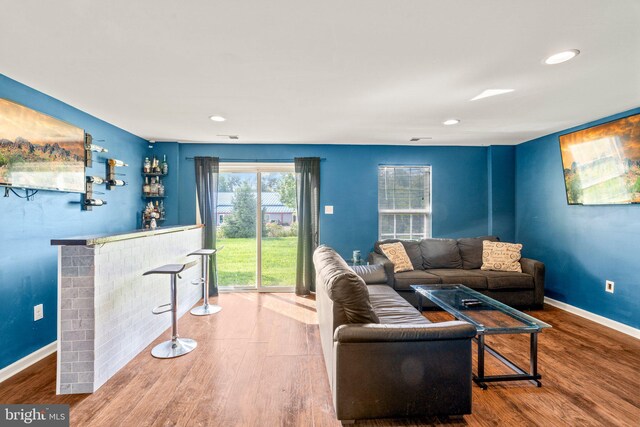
x: 471, y: 251
x: 398, y: 256
x: 501, y: 256
x: 411, y: 247
x: 391, y: 308
x: 507, y: 279
x: 344, y: 287
x: 373, y: 274
x: 468, y: 278
x: 440, y: 253
x: 404, y: 280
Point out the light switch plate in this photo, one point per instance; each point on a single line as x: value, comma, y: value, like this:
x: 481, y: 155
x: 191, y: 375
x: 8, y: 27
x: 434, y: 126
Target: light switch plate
x: 38, y: 312
x: 328, y: 210
x: 609, y: 286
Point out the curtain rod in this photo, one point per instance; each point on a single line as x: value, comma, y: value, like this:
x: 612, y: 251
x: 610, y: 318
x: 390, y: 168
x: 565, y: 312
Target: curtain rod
x: 254, y: 160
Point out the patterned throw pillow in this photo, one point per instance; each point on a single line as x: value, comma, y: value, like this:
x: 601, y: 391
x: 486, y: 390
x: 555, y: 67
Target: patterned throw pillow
x: 398, y: 256
x: 501, y: 256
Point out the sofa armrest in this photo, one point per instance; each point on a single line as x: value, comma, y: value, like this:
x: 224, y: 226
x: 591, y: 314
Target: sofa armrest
x: 375, y: 258
x: 375, y: 332
x: 536, y: 269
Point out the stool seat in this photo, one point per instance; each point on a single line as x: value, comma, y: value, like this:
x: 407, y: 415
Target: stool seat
x: 166, y: 269
x: 204, y: 252
x: 170, y: 268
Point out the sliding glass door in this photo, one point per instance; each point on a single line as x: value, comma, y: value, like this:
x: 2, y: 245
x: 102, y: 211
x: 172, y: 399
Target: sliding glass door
x: 257, y: 225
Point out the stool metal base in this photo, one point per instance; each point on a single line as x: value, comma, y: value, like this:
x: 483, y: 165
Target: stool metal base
x: 173, y: 348
x: 205, y: 310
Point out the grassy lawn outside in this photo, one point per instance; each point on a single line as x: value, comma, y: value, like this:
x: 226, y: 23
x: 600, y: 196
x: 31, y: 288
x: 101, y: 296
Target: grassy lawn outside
x: 237, y: 261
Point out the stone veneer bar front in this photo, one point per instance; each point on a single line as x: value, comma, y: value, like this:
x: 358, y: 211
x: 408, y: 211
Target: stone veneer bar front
x: 104, y: 301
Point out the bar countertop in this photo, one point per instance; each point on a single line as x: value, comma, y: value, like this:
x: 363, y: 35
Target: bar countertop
x: 99, y: 239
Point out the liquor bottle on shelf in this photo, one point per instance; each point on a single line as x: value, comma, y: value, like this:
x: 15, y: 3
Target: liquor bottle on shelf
x: 95, y: 202
x: 165, y: 166
x: 98, y: 148
x: 160, y: 188
x: 116, y: 162
x: 146, y: 168
x: 154, y: 187
x: 162, y: 209
x: 155, y: 165
x: 146, y: 188
x: 95, y: 179
x: 116, y: 182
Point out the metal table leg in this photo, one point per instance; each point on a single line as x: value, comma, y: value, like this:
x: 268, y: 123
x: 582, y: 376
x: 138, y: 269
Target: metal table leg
x: 520, y: 375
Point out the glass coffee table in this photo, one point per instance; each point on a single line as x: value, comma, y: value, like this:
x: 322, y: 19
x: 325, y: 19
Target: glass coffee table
x: 490, y: 317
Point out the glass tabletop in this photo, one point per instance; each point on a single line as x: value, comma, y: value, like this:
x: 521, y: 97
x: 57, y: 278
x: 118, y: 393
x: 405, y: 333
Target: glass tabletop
x: 486, y: 314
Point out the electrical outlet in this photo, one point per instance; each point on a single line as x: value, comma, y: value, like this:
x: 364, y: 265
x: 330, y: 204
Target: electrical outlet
x: 38, y: 312
x: 328, y: 210
x: 608, y: 286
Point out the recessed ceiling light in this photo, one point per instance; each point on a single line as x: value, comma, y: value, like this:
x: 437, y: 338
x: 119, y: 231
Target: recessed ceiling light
x: 451, y: 122
x: 561, y: 57
x: 491, y: 92
x: 217, y: 118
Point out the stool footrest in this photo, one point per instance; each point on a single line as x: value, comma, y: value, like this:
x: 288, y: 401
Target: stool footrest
x: 157, y: 310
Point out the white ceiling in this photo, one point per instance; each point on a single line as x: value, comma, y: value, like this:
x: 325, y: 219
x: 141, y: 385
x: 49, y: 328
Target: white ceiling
x: 328, y: 71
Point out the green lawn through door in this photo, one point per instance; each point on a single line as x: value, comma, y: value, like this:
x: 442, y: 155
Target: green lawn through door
x: 237, y: 261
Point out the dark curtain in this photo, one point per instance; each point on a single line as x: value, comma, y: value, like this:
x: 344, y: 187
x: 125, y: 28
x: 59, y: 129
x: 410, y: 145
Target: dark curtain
x: 308, y: 201
x: 207, y: 170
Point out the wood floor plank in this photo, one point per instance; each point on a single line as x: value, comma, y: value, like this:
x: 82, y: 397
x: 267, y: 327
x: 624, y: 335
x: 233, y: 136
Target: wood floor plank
x: 259, y: 363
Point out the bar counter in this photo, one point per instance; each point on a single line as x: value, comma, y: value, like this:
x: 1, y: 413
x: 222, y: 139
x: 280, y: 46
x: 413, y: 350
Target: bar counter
x: 104, y: 302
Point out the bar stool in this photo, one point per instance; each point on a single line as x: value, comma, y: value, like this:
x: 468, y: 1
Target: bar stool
x: 206, y: 308
x: 175, y: 346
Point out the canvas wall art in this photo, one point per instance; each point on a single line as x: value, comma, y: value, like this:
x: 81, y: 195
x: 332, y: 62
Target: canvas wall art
x: 602, y: 163
x: 38, y: 151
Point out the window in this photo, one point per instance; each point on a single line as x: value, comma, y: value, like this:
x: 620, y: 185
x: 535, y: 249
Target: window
x: 404, y: 202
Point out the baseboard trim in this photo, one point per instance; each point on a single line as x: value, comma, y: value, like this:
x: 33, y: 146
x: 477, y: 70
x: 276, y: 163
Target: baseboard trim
x: 620, y: 327
x: 28, y: 360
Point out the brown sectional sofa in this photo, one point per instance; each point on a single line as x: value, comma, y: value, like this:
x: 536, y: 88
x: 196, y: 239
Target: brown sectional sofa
x: 383, y: 358
x: 449, y: 261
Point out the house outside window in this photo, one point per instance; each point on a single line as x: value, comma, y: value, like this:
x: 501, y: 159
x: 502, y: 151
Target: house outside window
x: 404, y: 202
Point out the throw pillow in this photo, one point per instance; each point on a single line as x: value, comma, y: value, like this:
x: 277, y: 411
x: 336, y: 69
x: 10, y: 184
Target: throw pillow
x: 398, y: 256
x: 471, y: 251
x: 411, y: 247
x: 501, y: 256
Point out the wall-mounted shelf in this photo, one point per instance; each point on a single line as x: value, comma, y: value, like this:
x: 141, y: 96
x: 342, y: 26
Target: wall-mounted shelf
x: 153, y: 191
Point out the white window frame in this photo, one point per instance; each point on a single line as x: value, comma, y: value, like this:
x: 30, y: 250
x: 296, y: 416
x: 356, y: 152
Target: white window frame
x: 428, y: 220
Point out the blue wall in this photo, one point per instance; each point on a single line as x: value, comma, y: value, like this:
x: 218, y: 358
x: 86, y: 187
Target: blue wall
x: 501, y: 199
x: 28, y: 263
x: 582, y: 246
x: 349, y: 183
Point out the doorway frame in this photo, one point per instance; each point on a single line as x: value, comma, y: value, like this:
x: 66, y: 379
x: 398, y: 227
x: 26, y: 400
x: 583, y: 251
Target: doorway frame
x: 258, y: 168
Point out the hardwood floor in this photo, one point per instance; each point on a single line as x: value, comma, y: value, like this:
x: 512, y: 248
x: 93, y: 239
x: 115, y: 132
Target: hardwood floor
x: 259, y: 363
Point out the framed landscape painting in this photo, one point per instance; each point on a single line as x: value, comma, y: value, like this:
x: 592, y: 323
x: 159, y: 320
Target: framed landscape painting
x: 38, y: 151
x: 602, y: 163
